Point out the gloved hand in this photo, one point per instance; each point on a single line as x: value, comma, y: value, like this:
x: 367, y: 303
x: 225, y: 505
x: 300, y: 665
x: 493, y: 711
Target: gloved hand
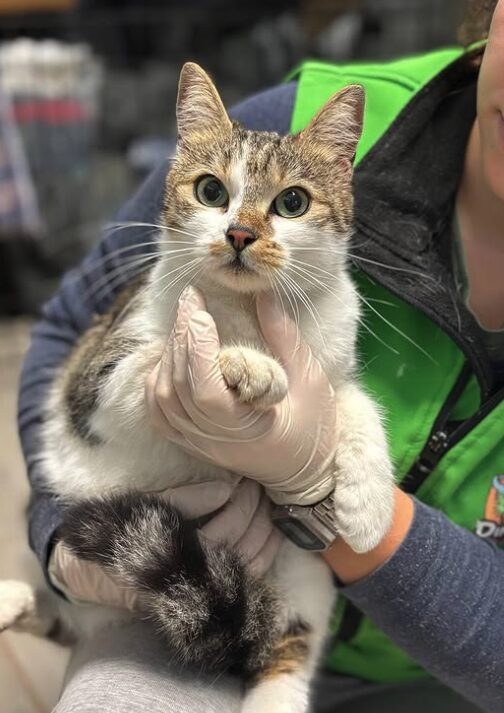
x: 289, y: 448
x: 243, y: 522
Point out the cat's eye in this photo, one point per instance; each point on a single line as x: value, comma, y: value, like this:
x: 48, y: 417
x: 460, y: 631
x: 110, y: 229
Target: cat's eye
x: 291, y: 203
x: 211, y: 192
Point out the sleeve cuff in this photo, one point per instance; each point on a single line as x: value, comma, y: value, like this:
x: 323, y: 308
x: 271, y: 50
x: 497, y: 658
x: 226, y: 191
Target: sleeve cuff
x: 45, y: 519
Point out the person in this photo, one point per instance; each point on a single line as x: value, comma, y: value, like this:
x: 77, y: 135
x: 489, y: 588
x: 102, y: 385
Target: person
x: 423, y: 618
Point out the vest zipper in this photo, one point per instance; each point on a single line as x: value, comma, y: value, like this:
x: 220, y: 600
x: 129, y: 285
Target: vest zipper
x: 439, y: 439
x: 444, y: 436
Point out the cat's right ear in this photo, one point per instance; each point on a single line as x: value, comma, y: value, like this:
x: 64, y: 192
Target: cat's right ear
x: 338, y: 125
x: 199, y: 107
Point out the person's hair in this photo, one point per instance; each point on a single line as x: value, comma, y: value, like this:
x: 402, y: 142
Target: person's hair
x: 477, y: 21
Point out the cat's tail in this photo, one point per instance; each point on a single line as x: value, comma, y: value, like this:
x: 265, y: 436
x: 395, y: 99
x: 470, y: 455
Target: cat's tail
x: 210, y: 610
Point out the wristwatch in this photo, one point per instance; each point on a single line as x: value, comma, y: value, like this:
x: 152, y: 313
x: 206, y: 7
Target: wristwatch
x: 310, y: 527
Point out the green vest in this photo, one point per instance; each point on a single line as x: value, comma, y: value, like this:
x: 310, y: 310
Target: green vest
x: 417, y: 392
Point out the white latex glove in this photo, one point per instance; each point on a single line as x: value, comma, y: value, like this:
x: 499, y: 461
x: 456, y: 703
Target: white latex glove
x: 289, y: 448
x: 243, y: 522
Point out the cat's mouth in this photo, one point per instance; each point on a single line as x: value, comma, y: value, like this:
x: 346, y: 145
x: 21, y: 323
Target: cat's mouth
x: 237, y: 272
x: 237, y: 266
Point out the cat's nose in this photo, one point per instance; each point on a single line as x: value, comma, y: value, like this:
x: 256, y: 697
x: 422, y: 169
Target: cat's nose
x: 240, y: 238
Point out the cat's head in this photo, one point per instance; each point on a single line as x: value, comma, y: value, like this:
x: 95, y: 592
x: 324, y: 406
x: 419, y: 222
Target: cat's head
x: 262, y: 209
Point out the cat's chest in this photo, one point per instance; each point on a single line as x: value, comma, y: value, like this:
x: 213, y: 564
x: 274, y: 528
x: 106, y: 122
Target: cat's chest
x: 236, y: 323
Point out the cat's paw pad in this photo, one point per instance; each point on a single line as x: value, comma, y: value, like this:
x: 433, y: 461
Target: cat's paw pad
x: 258, y: 379
x: 17, y: 605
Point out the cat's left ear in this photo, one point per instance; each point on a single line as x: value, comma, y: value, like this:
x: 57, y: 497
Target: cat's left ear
x: 199, y: 106
x: 338, y: 125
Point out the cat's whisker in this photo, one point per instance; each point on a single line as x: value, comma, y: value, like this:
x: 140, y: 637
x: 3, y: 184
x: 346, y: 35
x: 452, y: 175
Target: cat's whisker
x: 314, y: 249
x: 399, y: 331
x: 171, y: 251
x: 334, y: 293
x: 310, y: 301
x: 376, y: 336
x: 109, y: 282
x: 111, y: 228
x: 138, y: 224
x: 193, y: 277
x: 83, y: 270
x: 363, y: 323
x: 308, y: 273
x: 179, y: 268
x: 359, y: 258
x: 178, y: 256
x: 333, y: 247
x: 276, y: 289
x: 292, y: 302
x: 373, y: 309
x: 371, y: 299
x: 191, y: 274
x: 382, y: 302
x: 302, y: 263
x: 291, y: 288
x: 305, y: 299
x: 295, y: 313
x: 309, y: 276
x: 184, y: 270
x: 408, y: 271
x: 124, y: 270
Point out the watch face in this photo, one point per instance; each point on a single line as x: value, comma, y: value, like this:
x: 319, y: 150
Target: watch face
x: 299, y: 533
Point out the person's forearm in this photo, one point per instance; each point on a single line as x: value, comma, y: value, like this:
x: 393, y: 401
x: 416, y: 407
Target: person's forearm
x: 350, y: 566
x: 436, y: 591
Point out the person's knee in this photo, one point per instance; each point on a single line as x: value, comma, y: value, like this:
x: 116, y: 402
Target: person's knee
x: 126, y: 670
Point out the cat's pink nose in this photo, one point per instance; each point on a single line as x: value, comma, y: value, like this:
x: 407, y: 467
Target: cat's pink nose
x: 240, y: 238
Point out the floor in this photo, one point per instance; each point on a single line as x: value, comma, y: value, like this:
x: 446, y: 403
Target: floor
x: 31, y: 669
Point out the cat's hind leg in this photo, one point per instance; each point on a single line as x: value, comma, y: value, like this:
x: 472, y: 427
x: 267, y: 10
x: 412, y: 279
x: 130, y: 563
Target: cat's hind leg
x: 283, y: 687
x: 22, y: 608
x: 307, y: 592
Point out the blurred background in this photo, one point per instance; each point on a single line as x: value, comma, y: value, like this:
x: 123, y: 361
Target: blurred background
x: 87, y: 93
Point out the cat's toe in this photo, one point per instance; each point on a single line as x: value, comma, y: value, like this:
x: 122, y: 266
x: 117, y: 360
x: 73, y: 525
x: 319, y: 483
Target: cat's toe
x: 233, y: 367
x: 257, y: 379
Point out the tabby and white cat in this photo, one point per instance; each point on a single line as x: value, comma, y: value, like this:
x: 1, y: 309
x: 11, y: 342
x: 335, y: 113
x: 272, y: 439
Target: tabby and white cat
x: 250, y: 201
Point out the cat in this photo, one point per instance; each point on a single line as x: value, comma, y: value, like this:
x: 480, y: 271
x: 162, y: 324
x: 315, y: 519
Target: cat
x: 247, y: 203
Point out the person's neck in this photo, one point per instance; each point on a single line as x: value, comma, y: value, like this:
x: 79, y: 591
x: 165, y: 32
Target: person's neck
x: 480, y: 215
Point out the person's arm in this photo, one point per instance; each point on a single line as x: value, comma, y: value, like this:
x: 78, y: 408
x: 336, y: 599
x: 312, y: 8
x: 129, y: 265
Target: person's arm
x: 91, y: 288
x: 350, y: 566
x: 437, y: 591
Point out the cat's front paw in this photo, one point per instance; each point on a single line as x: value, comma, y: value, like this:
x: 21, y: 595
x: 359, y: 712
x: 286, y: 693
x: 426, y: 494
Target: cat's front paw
x: 258, y: 379
x: 364, y: 508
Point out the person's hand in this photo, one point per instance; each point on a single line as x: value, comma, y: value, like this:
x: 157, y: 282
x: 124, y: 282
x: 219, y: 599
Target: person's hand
x: 289, y: 447
x: 242, y: 521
